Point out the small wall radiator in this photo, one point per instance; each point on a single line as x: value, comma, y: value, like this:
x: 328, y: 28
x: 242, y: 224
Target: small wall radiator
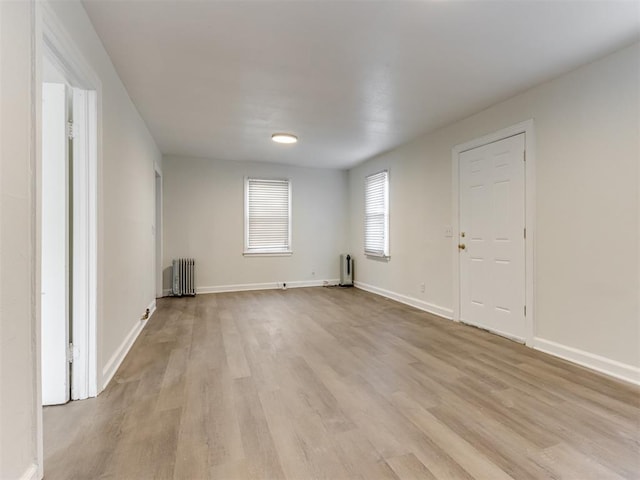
x: 184, y: 270
x: 346, y: 270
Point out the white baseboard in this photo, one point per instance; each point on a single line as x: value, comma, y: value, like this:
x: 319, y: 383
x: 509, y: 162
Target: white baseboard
x: 413, y: 302
x: 31, y: 473
x: 152, y: 307
x: 116, y: 359
x: 243, y: 287
x: 595, y: 362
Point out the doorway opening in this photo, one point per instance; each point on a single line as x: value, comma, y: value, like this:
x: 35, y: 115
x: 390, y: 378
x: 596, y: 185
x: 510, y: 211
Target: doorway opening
x: 68, y: 234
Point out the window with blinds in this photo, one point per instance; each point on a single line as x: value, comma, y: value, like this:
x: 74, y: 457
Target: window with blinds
x: 267, y: 216
x: 376, y: 214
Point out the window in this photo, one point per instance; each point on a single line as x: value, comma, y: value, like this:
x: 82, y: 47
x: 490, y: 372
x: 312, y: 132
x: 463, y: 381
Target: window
x: 376, y: 214
x: 267, y: 216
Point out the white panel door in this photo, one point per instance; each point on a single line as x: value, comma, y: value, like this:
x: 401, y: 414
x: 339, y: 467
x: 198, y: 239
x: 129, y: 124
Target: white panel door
x: 492, y: 237
x: 55, y: 246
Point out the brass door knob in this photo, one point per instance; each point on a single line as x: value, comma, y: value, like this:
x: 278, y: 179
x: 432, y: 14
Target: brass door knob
x: 462, y: 246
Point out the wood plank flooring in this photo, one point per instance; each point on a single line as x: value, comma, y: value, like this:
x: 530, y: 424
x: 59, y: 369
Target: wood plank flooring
x: 334, y: 383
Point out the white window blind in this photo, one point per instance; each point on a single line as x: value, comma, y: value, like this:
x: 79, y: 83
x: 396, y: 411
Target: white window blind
x: 267, y: 216
x: 376, y: 214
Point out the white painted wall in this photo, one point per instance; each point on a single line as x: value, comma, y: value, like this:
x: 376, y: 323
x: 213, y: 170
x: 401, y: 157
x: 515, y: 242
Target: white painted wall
x: 588, y: 215
x: 588, y: 242
x: 19, y: 411
x: 126, y: 214
x: 204, y: 219
x: 126, y: 199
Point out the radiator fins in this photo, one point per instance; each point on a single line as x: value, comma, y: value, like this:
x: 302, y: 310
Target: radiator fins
x: 346, y: 270
x: 184, y: 270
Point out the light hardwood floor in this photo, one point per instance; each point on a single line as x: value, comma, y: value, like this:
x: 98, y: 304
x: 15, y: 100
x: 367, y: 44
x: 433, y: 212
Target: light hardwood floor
x: 340, y: 384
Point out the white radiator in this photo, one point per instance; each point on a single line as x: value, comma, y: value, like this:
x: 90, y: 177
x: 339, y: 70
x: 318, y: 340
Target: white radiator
x: 346, y: 270
x: 184, y: 273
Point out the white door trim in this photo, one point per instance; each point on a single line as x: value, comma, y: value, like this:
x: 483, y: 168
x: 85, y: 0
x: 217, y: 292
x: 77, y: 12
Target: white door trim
x: 527, y: 128
x: 158, y: 232
x: 84, y: 367
x: 55, y: 44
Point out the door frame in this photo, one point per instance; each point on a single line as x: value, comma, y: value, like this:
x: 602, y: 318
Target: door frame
x: 158, y: 230
x: 527, y: 128
x: 55, y: 44
x: 84, y: 279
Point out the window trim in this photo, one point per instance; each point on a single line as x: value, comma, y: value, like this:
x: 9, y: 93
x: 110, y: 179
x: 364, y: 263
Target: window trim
x: 254, y: 252
x: 385, y: 254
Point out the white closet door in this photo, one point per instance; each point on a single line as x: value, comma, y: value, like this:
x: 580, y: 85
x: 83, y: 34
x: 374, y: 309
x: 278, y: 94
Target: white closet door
x: 492, y: 237
x: 55, y: 245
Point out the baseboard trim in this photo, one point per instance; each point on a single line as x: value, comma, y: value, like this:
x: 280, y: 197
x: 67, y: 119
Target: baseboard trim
x: 31, y: 473
x: 119, y: 355
x: 152, y: 307
x: 243, y: 287
x: 413, y: 302
x: 613, y: 368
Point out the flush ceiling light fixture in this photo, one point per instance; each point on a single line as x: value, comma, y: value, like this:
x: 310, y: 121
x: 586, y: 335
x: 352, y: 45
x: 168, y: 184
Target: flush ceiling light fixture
x: 284, y: 138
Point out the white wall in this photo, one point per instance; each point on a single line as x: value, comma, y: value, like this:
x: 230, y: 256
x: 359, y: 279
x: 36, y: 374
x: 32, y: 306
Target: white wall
x: 18, y: 395
x: 588, y: 215
x: 126, y: 199
x: 126, y: 214
x: 204, y: 219
x: 587, y: 244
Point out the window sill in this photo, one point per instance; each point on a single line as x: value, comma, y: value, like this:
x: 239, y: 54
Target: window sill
x: 268, y: 254
x: 379, y: 258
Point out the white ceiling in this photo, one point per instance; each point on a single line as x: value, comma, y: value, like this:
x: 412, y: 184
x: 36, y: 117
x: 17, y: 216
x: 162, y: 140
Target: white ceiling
x: 351, y: 78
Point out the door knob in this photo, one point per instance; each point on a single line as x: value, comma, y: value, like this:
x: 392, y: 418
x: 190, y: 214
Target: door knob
x: 462, y: 246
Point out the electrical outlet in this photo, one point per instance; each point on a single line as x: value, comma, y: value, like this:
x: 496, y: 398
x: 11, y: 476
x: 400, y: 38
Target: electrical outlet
x: 422, y: 288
